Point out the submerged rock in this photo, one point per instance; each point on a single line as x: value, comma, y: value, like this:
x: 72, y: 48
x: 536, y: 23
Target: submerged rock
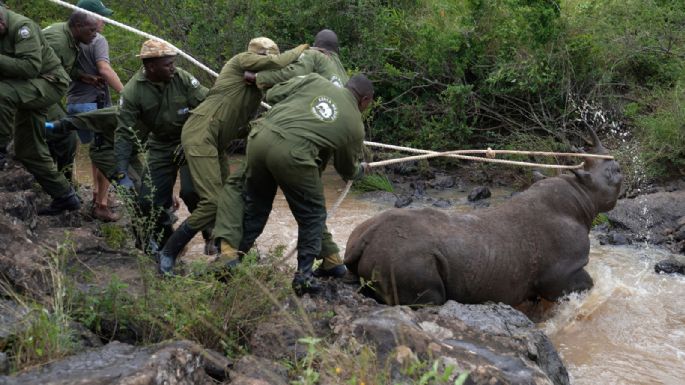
x: 479, y: 193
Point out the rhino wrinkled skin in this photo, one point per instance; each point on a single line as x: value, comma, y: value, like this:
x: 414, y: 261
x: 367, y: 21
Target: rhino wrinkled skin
x: 536, y: 244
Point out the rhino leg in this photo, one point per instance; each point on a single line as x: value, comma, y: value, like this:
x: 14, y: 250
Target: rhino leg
x: 576, y: 282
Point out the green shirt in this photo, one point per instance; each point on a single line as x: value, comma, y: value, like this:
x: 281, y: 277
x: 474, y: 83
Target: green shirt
x: 231, y: 101
x: 313, y: 108
x: 313, y: 60
x: 161, y: 107
x: 24, y: 53
x: 61, y: 40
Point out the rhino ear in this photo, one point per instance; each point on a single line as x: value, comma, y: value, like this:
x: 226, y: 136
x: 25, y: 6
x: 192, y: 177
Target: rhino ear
x: 584, y: 176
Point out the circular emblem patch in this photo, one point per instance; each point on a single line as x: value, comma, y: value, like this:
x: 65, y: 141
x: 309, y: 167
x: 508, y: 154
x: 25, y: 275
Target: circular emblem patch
x: 194, y: 83
x: 324, y: 109
x: 24, y: 32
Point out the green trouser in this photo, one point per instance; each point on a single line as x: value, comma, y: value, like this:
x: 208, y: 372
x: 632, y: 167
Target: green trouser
x: 275, y: 159
x: 156, y: 195
x: 24, y: 106
x: 230, y: 208
x: 102, y: 123
x: 208, y: 169
x: 229, y: 215
x: 62, y: 146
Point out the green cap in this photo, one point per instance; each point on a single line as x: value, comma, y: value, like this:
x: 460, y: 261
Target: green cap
x: 95, y: 6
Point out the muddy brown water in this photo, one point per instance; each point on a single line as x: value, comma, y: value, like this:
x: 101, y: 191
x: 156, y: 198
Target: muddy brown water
x: 629, y: 329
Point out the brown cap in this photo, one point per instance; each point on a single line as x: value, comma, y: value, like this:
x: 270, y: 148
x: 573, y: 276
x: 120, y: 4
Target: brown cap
x: 154, y: 48
x: 263, y: 46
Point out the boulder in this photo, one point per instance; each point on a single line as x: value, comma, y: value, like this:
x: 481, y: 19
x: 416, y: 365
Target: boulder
x: 178, y: 363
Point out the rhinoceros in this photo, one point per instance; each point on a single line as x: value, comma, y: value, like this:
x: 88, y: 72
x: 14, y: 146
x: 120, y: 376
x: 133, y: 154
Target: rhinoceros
x: 534, y: 245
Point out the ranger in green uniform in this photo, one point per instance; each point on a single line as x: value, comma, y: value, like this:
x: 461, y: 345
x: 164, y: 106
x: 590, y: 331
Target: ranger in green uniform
x: 31, y: 80
x: 310, y: 114
x: 221, y: 118
x: 64, y: 39
x: 322, y: 59
x: 160, y: 96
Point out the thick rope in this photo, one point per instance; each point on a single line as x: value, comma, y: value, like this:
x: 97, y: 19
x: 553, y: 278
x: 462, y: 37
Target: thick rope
x: 426, y: 154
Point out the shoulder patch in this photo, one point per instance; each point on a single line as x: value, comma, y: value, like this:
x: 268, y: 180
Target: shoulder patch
x: 24, y: 32
x: 336, y: 81
x: 324, y: 109
x: 194, y: 82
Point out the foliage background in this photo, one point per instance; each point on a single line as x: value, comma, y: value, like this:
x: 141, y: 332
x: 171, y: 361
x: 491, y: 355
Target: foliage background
x: 462, y: 73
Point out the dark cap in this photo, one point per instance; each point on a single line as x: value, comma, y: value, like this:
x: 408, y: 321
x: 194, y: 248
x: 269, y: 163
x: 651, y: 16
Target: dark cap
x: 95, y: 6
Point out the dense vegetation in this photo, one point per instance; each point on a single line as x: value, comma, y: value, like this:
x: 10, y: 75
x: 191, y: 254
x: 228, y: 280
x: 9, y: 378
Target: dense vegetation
x: 463, y: 73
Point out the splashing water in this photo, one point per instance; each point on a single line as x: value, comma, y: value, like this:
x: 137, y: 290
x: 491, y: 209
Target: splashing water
x: 630, y: 328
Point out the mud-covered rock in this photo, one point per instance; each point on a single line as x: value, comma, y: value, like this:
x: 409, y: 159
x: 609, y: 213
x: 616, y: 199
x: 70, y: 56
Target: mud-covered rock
x: 179, y: 363
x: 673, y: 265
x: 655, y: 218
x: 479, y: 193
x: 253, y: 370
x: 496, y: 343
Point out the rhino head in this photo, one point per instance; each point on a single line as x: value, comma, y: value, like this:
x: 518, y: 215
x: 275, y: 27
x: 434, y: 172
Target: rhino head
x: 602, y: 178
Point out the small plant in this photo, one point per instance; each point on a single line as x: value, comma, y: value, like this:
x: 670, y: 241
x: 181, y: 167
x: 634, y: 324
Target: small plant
x: 115, y: 235
x: 308, y: 374
x: 600, y: 219
x: 373, y: 182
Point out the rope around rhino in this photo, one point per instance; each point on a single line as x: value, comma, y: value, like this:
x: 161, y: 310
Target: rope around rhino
x: 426, y: 153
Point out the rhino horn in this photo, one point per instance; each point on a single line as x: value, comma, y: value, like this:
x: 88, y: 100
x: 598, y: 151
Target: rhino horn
x: 597, y: 144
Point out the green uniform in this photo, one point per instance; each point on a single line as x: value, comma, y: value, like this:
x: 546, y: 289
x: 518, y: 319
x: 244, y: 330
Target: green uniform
x: 221, y: 118
x: 102, y: 123
x: 63, y: 145
x: 31, y: 80
x: 314, y: 60
x: 310, y: 114
x: 163, y: 108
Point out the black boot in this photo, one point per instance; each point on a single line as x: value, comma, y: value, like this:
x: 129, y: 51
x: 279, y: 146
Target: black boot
x: 304, y: 282
x: 3, y: 159
x: 68, y: 202
x: 176, y: 242
x: 210, y: 245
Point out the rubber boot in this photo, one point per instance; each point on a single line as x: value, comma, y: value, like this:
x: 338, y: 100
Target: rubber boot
x: 304, y: 282
x: 210, y: 246
x: 67, y: 202
x: 226, y: 262
x: 332, y: 266
x: 173, y: 246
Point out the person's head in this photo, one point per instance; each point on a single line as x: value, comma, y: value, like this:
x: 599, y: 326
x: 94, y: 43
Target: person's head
x: 362, y: 89
x: 96, y: 6
x: 263, y: 46
x: 327, y: 40
x: 159, y: 60
x: 83, y: 27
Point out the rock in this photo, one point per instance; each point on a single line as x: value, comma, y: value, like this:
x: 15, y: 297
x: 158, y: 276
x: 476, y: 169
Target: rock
x: 442, y: 203
x: 614, y: 238
x: 403, y: 201
x: 178, y: 363
x: 4, y: 364
x: 647, y: 217
x: 670, y: 266
x: 252, y: 370
x: 419, y: 188
x: 442, y: 182
x: 217, y: 365
x: 479, y: 193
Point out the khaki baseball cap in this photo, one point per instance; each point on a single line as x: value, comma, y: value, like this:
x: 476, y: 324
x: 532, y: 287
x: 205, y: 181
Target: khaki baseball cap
x: 263, y: 46
x: 155, y: 48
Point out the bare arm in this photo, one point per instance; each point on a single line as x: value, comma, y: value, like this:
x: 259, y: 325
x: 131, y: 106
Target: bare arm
x: 105, y: 70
